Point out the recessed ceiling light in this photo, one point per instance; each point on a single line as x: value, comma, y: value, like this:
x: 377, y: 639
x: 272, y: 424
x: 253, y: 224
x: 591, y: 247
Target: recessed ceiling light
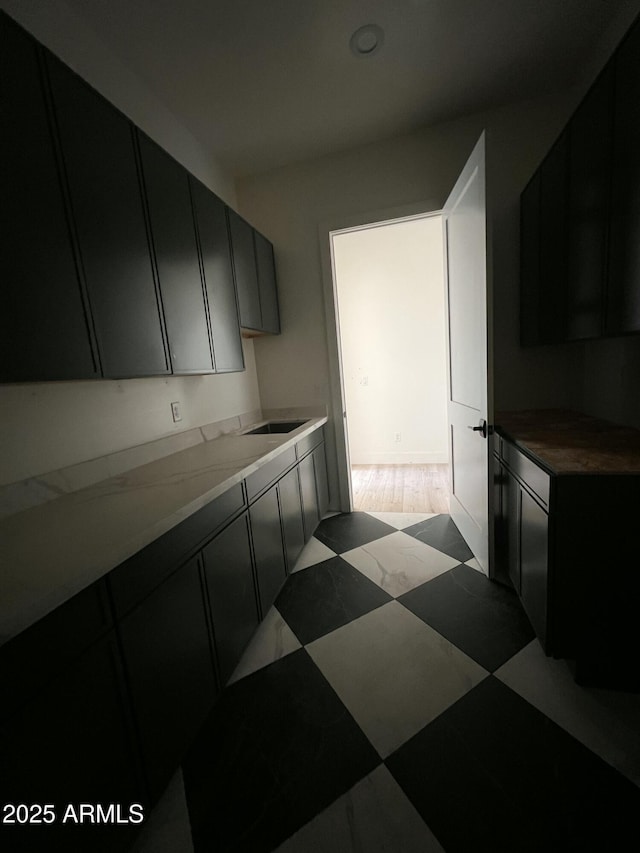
x: 366, y: 40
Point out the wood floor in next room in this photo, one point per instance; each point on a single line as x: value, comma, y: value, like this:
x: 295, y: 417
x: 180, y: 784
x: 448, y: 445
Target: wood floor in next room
x: 400, y: 488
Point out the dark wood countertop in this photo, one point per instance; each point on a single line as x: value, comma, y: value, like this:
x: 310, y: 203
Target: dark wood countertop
x: 568, y: 442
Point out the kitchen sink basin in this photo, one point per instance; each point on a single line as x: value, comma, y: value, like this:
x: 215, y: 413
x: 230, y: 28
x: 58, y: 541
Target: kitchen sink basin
x: 275, y: 427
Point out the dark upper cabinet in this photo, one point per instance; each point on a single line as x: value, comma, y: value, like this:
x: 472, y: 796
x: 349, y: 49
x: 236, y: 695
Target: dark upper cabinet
x: 44, y: 327
x: 177, y: 261
x: 270, y: 314
x: 623, y: 285
x: 530, y: 262
x: 552, y: 308
x: 99, y: 157
x: 213, y: 231
x: 590, y: 136
x: 246, y: 271
x: 580, y: 216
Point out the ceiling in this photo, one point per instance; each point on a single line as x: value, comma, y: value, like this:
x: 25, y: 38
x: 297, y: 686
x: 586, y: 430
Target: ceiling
x: 267, y: 82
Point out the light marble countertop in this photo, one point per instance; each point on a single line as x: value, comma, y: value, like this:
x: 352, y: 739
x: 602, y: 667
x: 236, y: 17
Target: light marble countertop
x: 50, y: 552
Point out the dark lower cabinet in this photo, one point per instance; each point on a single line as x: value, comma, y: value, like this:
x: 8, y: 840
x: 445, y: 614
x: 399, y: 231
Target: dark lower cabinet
x: 211, y: 219
x: 568, y: 542
x: 291, y: 512
x: 100, y: 164
x: 103, y: 696
x: 322, y: 483
x: 72, y: 743
x: 232, y: 595
x: 170, y: 670
x: 268, y: 548
x: 533, y: 536
x: 177, y: 261
x: 45, y: 332
x: 310, y: 509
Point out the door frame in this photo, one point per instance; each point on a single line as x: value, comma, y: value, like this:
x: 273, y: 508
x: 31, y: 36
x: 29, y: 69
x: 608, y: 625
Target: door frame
x: 337, y: 407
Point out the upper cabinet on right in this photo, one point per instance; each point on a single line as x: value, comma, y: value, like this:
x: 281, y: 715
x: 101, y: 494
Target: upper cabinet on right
x: 580, y: 216
x: 255, y: 274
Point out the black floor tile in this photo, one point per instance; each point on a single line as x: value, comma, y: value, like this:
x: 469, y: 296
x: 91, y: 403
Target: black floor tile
x: 278, y: 748
x: 441, y: 533
x: 350, y: 530
x: 324, y: 597
x: 480, y: 617
x: 494, y: 774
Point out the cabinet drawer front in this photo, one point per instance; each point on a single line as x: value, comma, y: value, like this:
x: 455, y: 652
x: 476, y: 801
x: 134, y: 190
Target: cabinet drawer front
x: 306, y: 444
x: 269, y: 473
x: 132, y: 581
x: 533, y: 477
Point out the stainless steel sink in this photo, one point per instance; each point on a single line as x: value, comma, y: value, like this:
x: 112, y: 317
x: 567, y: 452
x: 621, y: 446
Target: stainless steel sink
x: 275, y: 428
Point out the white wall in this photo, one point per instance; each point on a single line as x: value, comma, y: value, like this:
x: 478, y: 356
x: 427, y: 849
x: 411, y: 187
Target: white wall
x: 47, y: 426
x: 417, y: 170
x: 390, y: 292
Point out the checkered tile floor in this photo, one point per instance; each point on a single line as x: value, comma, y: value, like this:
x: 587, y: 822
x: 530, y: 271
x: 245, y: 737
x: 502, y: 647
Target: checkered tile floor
x: 397, y: 700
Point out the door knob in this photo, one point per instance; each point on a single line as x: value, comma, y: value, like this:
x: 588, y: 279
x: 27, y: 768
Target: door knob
x: 482, y: 427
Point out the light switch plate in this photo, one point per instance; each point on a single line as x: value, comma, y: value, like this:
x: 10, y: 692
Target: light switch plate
x: 176, y: 414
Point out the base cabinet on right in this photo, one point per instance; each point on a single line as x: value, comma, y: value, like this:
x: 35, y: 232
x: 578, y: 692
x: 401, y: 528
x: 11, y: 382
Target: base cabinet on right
x: 565, y: 540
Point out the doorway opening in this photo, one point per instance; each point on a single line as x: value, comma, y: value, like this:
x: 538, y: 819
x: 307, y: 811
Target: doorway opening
x: 390, y: 309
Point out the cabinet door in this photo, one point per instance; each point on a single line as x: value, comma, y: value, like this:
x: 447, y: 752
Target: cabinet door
x: 268, y: 547
x: 99, y: 156
x: 244, y: 265
x: 44, y: 328
x: 534, y: 565
x: 311, y: 514
x: 211, y: 218
x: 72, y: 743
x: 322, y: 483
x: 590, y: 134
x: 177, y: 261
x: 512, y: 503
x: 168, y: 658
x: 270, y: 313
x: 291, y: 510
x: 623, y: 291
x: 553, y: 243
x: 530, y: 263
x: 232, y: 596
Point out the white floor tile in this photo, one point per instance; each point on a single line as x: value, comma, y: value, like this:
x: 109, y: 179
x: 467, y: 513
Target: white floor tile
x: 606, y: 721
x: 400, y: 520
x: 167, y: 828
x: 273, y: 640
x: 394, y: 673
x: 375, y: 816
x: 398, y: 562
x: 474, y: 564
x: 313, y: 552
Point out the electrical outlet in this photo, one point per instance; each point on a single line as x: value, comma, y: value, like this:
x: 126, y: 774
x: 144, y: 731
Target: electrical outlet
x: 176, y: 414
x: 397, y: 437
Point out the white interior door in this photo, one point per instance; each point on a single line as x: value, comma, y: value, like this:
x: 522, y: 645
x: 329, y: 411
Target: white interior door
x: 465, y: 241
